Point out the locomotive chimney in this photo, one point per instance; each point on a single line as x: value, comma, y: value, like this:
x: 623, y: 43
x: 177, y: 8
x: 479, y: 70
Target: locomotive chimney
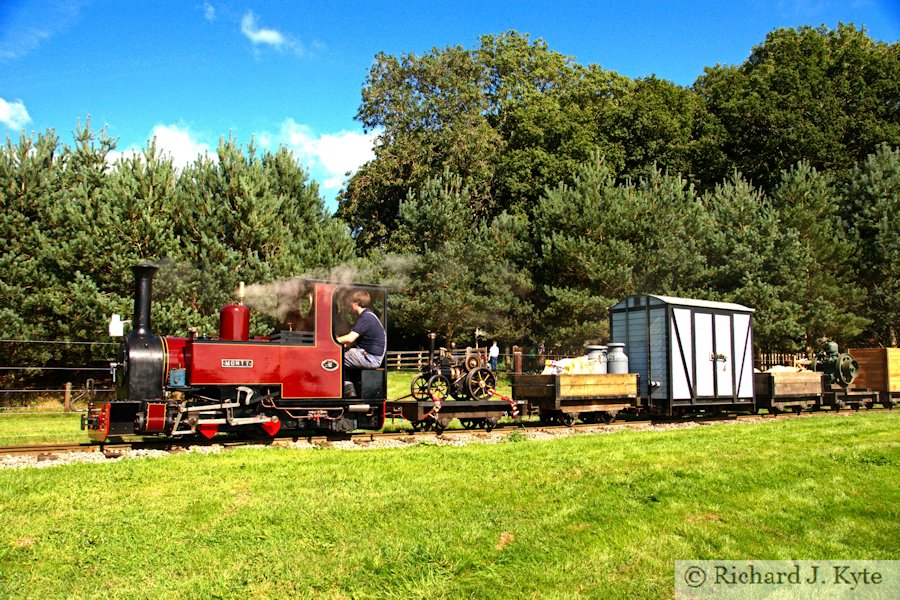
x: 431, y: 338
x: 143, y: 287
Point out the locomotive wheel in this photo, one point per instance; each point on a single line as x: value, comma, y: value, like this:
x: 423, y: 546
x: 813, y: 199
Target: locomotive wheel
x: 479, y: 383
x: 438, y: 387
x: 419, y: 388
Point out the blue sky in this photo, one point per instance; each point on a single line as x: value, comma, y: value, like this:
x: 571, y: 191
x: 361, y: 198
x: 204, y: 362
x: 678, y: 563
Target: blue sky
x: 290, y: 73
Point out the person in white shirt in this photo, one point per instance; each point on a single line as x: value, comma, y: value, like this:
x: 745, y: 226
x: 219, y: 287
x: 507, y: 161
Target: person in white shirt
x: 493, y: 355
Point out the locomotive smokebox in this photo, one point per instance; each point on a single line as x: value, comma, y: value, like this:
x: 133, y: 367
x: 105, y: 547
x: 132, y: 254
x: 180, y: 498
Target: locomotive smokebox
x: 143, y: 290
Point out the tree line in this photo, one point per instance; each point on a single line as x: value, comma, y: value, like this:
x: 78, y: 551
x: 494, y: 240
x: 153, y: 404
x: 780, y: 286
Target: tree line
x: 529, y: 192
x: 73, y: 225
x: 513, y: 191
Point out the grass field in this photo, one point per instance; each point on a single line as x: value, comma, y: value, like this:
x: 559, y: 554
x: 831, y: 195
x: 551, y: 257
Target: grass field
x: 599, y: 516
x: 40, y: 428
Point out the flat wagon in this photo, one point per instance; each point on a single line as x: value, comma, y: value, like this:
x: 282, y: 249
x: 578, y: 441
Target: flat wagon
x: 436, y: 415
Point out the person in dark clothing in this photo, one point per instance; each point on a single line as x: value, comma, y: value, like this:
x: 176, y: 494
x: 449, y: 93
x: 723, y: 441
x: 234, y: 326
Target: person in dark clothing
x: 366, y: 343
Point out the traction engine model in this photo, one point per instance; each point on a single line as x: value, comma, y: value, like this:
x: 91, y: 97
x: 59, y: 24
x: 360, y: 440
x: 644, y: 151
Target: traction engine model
x: 446, y: 376
x: 176, y: 387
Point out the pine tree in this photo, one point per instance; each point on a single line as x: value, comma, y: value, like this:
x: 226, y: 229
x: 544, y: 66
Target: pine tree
x: 752, y: 260
x: 824, y: 280
x: 872, y: 209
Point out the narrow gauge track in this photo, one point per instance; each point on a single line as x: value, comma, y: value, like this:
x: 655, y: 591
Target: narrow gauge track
x: 116, y: 449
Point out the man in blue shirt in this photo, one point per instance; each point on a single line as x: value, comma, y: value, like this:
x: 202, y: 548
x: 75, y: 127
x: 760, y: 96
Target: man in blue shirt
x: 366, y: 344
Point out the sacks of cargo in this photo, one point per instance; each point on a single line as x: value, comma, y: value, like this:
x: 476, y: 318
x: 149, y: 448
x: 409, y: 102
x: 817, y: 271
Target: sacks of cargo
x: 573, y: 366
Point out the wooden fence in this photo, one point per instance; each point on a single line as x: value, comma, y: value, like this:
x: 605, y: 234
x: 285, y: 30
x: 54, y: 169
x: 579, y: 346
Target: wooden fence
x: 416, y: 360
x: 766, y: 360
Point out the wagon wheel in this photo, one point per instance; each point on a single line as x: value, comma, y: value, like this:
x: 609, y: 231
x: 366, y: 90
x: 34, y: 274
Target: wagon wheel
x: 608, y: 416
x: 473, y: 361
x: 438, y: 387
x: 479, y: 383
x: 490, y: 423
x: 440, y: 424
x: 568, y: 419
x: 419, y: 388
x: 469, y: 423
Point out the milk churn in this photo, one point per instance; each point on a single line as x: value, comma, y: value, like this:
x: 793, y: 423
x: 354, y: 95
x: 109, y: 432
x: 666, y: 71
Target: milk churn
x: 616, y: 359
x: 597, y: 353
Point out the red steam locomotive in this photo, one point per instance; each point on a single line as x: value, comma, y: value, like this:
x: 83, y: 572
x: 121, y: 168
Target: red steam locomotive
x: 292, y: 379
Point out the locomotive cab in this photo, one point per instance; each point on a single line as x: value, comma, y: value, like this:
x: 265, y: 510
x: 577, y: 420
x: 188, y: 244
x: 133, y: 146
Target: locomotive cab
x: 367, y: 384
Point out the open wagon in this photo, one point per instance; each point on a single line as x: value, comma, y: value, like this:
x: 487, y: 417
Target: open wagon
x: 565, y: 397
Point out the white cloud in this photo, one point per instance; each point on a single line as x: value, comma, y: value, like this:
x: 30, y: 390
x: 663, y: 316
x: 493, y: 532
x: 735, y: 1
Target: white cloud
x: 14, y: 114
x: 328, y: 156
x: 264, y: 36
x: 174, y: 141
x: 209, y: 11
x: 180, y: 144
x: 259, y: 35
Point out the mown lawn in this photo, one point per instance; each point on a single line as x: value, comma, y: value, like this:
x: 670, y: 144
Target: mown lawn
x: 601, y: 516
x: 27, y: 429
